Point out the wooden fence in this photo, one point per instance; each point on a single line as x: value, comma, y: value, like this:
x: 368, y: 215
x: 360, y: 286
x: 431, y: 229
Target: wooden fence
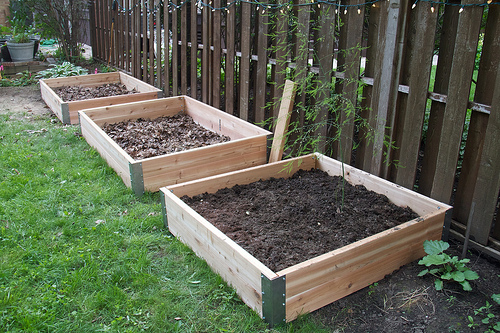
x: 380, y: 55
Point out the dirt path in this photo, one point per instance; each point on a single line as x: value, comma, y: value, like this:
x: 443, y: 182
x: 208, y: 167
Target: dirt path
x: 20, y: 100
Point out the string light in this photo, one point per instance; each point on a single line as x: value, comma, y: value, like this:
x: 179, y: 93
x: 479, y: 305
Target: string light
x: 287, y: 6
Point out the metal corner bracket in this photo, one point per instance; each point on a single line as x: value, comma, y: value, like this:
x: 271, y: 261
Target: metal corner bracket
x: 136, y: 178
x: 273, y: 300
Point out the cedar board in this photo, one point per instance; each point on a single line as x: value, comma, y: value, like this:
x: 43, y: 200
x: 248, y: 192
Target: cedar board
x: 67, y: 112
x: 247, y: 147
x: 317, y: 282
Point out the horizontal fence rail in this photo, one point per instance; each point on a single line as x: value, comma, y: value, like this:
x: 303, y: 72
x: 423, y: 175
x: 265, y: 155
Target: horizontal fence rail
x: 406, y: 90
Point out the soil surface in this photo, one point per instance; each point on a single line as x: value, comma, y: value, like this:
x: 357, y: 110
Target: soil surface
x: 401, y: 302
x: 143, y: 138
x: 78, y: 93
x: 285, y: 221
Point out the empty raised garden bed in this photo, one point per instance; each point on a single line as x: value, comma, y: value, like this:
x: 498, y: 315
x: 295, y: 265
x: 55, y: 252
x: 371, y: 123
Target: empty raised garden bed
x: 246, y: 148
x: 307, y: 286
x: 67, y: 111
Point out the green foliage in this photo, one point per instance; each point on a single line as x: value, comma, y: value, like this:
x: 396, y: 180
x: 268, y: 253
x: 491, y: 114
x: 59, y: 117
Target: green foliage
x: 21, y: 37
x: 22, y: 79
x: 448, y: 268
x: 62, y: 70
x: 486, y: 318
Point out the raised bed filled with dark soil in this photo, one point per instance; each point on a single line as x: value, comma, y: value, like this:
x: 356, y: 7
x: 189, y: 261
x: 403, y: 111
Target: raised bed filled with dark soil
x: 167, y: 141
x: 290, y: 247
x: 66, y: 96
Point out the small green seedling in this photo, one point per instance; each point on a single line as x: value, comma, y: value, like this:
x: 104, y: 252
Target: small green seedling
x: 448, y: 268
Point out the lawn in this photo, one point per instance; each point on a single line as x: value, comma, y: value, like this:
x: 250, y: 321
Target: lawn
x: 80, y: 253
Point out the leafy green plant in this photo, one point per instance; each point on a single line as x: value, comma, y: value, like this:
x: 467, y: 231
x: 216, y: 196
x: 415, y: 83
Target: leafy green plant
x: 448, y: 268
x: 20, y: 38
x: 62, y: 70
x: 486, y: 318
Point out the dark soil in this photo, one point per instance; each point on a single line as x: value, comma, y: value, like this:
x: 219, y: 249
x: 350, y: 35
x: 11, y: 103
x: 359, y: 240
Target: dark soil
x: 77, y: 93
x: 143, y: 138
x: 283, y: 222
x: 401, y: 302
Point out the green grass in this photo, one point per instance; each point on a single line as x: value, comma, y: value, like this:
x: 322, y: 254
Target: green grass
x: 80, y: 253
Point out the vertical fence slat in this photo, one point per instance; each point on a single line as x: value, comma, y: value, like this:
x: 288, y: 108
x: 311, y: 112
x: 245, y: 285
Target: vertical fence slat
x: 166, y: 50
x: 106, y: 18
x: 138, y: 41
x: 243, y: 107
x: 92, y: 22
x: 194, y: 50
x: 484, y: 94
x: 488, y: 179
x: 385, y: 83
x: 216, y: 59
x: 150, y: 33
x: 126, y: 35
x: 438, y: 182
x: 183, y: 54
x: 411, y: 107
x: 175, y: 49
x: 204, y: 55
x: 349, y: 61
x: 230, y: 54
x: 323, y: 57
x: 468, y: 188
x: 260, y: 87
x: 158, y: 53
x: 280, y: 46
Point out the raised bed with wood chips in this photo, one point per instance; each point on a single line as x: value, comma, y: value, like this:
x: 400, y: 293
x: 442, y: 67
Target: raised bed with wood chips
x: 247, y: 147
x: 67, y: 111
x: 282, y: 296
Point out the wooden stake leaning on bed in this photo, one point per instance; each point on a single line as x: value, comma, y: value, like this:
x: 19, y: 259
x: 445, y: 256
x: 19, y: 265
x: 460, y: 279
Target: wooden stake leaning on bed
x: 283, y: 121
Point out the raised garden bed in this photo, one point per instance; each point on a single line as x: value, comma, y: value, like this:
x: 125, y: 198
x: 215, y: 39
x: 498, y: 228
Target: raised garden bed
x: 67, y: 111
x: 304, y: 287
x: 246, y: 148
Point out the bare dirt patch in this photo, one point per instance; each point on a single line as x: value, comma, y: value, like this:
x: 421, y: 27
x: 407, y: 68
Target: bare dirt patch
x: 144, y: 138
x: 20, y: 100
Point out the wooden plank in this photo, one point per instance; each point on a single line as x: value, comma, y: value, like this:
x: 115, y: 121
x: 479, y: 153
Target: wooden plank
x: 203, y: 162
x: 53, y: 101
x: 211, y: 184
x: 323, y: 59
x: 224, y: 123
x: 438, y: 181
x: 150, y: 33
x: 114, y: 155
x: 398, y: 195
x: 349, y: 61
x: 443, y: 70
x: 260, y: 86
x: 166, y: 47
x: 488, y: 178
x: 324, y: 279
x: 150, y: 109
x: 283, y: 121
x: 384, y: 85
x: 136, y: 44
x: 91, y: 80
x: 241, y: 270
x: 204, y: 55
x: 194, y: 51
x: 363, y: 153
x: 141, y: 86
x: 244, y: 75
x: 412, y: 106
x: 280, y: 50
x: 93, y: 28
x: 230, y: 56
x: 158, y: 37
x: 488, y: 68
x: 216, y: 58
x: 183, y: 54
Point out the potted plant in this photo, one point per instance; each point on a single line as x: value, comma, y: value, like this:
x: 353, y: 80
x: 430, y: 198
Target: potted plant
x: 5, y: 35
x: 21, y: 47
